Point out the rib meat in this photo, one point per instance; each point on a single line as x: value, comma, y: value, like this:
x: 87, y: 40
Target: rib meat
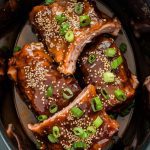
x: 33, y: 71
x: 93, y: 73
x: 66, y: 54
x: 65, y: 121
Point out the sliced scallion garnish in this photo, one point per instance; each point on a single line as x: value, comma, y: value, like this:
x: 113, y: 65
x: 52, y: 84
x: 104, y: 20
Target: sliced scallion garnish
x: 64, y: 28
x: 98, y: 122
x: 76, y: 112
x: 49, y: 92
x: 56, y: 132
x: 42, y: 118
x: 78, y: 8
x: 91, y: 130
x: 52, y: 139
x: 123, y: 47
x: 78, y: 131
x: 60, y: 18
x: 92, y: 58
x: 96, y: 104
x: 49, y: 2
x: 79, y: 145
x: 85, y: 20
x: 116, y: 63
x: 53, y: 108
x: 69, y: 36
x: 120, y: 95
x: 67, y: 93
x: 110, y: 52
x: 108, y: 77
x: 104, y: 93
x: 17, y: 48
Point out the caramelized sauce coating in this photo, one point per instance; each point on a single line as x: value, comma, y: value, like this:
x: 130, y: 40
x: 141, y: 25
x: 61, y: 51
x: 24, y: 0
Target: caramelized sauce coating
x: 33, y: 71
x: 93, y: 73
x: 43, y: 20
x: 67, y: 122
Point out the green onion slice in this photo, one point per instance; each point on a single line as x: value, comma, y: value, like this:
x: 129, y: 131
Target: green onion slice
x: 108, y: 77
x: 84, y: 20
x: 79, y: 145
x: 49, y: 92
x: 78, y: 131
x: 76, y: 112
x: 92, y: 58
x: 49, y: 2
x: 85, y: 135
x: 17, y: 48
x: 67, y: 93
x: 120, y: 95
x: 123, y: 47
x: 56, y: 132
x: 60, y: 18
x: 78, y: 8
x: 69, y: 36
x: 42, y: 118
x: 96, y: 104
x: 104, y: 93
x: 98, y: 122
x: 52, y: 139
x: 116, y: 63
x: 53, y: 108
x: 64, y: 28
x: 91, y: 130
x: 110, y: 52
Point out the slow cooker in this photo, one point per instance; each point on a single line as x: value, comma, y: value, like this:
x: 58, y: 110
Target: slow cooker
x: 135, y: 18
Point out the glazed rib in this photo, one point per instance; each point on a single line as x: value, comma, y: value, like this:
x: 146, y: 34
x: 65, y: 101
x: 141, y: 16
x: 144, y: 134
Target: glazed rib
x: 66, y: 54
x: 66, y: 122
x: 33, y: 71
x: 93, y: 73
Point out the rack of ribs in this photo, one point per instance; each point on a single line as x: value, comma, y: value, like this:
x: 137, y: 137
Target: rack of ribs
x: 104, y: 66
x: 41, y: 85
x: 65, y: 27
x: 89, y: 129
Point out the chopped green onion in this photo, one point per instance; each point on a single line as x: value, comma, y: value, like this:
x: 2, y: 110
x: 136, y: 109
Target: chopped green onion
x: 79, y: 145
x: 64, y: 28
x: 56, y: 132
x: 42, y: 118
x: 104, y: 94
x: 60, y: 18
x: 85, y: 135
x: 52, y: 139
x: 120, y: 95
x: 116, y: 63
x: 96, y: 104
x: 38, y: 145
x: 17, y: 48
x: 97, y: 122
x: 84, y: 20
x: 53, y: 108
x: 69, y: 36
x: 108, y: 77
x: 91, y: 130
x: 67, y: 93
x: 77, y: 112
x: 123, y: 47
x: 49, y: 2
x: 110, y: 52
x: 92, y: 58
x: 78, y: 131
x: 49, y: 92
x: 78, y: 8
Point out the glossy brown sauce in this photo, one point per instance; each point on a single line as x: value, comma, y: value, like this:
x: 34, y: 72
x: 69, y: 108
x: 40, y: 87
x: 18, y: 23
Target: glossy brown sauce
x: 93, y: 73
